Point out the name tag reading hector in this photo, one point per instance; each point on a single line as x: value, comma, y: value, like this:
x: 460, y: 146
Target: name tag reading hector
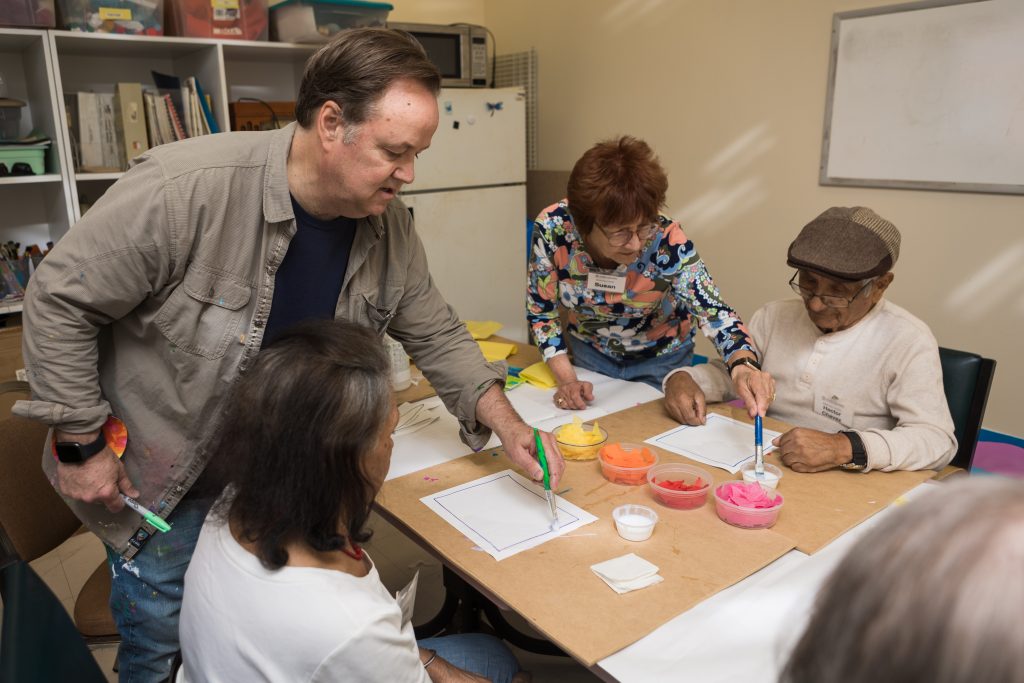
x: 833, y: 409
x: 606, y: 281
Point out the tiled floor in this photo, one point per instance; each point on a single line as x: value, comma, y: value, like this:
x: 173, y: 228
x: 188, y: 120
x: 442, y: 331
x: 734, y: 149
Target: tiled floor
x: 66, y: 569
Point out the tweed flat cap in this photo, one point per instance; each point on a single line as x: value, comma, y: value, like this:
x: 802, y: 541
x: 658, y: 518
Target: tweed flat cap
x: 850, y: 243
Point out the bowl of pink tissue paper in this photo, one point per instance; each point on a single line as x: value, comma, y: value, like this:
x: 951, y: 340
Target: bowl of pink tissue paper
x: 748, y: 505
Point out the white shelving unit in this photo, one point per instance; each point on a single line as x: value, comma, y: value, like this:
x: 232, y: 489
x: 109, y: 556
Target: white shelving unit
x: 40, y: 66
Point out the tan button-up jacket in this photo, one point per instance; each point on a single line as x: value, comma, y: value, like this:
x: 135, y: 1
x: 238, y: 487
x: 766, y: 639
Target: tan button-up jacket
x: 155, y: 302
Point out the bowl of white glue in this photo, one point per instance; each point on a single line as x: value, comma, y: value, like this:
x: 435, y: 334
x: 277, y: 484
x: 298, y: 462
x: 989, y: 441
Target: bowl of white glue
x: 772, y: 474
x: 634, y: 522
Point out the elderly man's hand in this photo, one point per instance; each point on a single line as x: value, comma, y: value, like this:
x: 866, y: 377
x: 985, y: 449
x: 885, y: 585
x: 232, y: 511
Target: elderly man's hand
x: 574, y: 395
x: 684, y: 399
x: 522, y: 450
x: 808, y: 450
x: 755, y: 387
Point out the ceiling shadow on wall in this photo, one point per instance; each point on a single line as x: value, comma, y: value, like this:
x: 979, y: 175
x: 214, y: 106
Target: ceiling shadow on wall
x: 628, y: 12
x: 731, y: 195
x: 996, y: 285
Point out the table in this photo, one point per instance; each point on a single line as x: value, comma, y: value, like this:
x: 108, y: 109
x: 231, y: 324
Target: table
x: 593, y: 642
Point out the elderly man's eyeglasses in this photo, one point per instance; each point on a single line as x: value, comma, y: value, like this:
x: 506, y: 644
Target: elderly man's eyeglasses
x: 826, y: 299
x: 623, y: 236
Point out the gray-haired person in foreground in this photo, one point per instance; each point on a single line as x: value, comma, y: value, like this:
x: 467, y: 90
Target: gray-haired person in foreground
x: 858, y: 375
x: 935, y: 594
x: 199, y: 256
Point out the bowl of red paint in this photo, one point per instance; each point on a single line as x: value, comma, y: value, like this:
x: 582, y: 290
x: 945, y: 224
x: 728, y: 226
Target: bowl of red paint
x: 679, y: 486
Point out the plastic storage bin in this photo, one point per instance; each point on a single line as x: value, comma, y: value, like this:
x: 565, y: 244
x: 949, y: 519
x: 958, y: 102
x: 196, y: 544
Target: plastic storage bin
x: 134, y: 17
x: 237, y: 19
x: 27, y: 13
x: 34, y: 156
x: 302, y: 21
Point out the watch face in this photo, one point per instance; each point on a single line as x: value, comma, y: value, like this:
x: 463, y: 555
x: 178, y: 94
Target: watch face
x: 69, y: 451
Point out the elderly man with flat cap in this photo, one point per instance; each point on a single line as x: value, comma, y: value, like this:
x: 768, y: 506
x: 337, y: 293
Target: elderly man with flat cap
x: 859, y: 375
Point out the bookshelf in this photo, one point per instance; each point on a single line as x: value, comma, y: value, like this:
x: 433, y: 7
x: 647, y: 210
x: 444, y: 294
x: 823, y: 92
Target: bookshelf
x: 41, y: 65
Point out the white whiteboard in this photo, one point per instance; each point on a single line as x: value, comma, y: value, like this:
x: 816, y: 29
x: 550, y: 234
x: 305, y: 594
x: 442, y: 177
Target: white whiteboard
x: 927, y: 95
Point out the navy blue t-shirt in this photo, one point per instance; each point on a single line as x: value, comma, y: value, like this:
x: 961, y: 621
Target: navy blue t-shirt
x: 308, y: 283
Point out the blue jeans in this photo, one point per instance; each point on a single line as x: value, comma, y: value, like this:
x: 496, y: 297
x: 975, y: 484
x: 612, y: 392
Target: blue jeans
x: 650, y: 371
x: 145, y: 595
x: 477, y: 653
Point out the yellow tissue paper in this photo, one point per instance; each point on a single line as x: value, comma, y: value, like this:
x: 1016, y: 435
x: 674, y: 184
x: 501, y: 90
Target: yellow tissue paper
x: 539, y: 374
x: 496, y: 350
x: 482, y: 329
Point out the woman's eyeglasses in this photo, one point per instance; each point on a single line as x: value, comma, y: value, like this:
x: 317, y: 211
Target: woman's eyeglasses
x: 828, y: 300
x: 622, y: 237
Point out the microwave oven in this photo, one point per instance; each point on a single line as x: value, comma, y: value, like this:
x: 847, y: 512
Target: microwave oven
x: 459, y: 52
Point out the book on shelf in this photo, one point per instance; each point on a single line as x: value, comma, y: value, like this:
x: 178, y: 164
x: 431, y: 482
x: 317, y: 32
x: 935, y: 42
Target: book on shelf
x: 131, y: 120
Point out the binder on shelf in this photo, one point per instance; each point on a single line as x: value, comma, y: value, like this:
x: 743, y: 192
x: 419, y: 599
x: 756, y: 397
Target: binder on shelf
x: 152, y: 126
x: 90, y: 135
x: 113, y: 156
x: 131, y: 120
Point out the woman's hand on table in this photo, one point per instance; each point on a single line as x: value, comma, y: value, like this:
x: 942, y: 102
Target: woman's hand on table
x: 574, y: 395
x: 685, y: 400
x: 808, y: 450
x: 755, y: 387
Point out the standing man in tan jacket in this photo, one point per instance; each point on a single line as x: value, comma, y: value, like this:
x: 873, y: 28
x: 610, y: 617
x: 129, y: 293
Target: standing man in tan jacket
x: 156, y: 301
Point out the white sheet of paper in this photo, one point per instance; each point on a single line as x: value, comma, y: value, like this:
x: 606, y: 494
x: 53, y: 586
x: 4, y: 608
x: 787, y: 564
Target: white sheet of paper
x: 722, y: 442
x: 505, y: 513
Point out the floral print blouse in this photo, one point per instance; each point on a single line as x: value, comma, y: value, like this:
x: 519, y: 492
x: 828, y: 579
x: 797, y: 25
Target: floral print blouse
x: 667, y: 289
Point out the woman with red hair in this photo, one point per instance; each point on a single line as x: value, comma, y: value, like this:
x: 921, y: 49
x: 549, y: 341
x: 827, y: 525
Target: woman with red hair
x: 632, y: 283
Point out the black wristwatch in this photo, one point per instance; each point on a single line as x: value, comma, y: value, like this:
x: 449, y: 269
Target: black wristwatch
x: 73, y: 453
x: 743, y: 361
x: 860, y: 456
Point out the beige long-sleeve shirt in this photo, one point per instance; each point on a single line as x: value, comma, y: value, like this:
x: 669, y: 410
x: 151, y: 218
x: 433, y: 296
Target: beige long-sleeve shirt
x: 880, y: 378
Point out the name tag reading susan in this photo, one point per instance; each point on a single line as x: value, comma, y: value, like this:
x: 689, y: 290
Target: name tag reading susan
x: 607, y: 281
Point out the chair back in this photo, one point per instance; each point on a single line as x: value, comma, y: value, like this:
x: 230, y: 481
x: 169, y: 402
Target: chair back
x: 966, y: 379
x: 33, y: 518
x: 40, y: 643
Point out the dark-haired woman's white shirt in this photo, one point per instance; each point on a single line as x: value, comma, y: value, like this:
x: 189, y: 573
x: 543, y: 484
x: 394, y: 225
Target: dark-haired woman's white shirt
x: 243, y: 622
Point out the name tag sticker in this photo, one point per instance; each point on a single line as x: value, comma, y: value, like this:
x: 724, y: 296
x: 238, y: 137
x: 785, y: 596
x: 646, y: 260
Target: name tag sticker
x: 832, y: 408
x: 606, y: 282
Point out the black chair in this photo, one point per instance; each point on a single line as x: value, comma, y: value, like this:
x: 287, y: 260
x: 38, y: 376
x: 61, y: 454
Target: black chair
x: 966, y: 379
x: 40, y: 642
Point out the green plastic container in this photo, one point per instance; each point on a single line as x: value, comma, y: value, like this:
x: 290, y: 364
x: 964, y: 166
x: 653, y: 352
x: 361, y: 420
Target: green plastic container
x: 34, y: 156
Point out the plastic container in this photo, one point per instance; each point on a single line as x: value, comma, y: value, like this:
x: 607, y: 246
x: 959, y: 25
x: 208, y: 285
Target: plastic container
x: 132, y: 17
x: 10, y: 118
x: 28, y: 13
x: 678, y: 472
x: 304, y: 21
x: 772, y: 474
x: 234, y: 19
x: 634, y: 522
x: 747, y: 517
x: 401, y: 375
x: 576, y: 451
x: 630, y: 475
x: 34, y: 156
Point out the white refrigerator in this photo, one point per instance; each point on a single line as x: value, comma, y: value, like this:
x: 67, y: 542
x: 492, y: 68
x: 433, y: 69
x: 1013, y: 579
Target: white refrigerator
x: 469, y: 204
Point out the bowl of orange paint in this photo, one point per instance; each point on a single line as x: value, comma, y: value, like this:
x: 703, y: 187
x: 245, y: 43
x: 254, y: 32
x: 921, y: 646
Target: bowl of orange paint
x: 626, y: 463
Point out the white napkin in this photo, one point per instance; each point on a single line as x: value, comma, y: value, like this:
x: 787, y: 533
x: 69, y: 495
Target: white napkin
x: 627, y: 573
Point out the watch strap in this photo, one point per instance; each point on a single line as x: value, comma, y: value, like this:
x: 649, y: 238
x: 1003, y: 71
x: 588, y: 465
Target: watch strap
x: 744, y: 361
x: 83, y: 451
x: 860, y: 454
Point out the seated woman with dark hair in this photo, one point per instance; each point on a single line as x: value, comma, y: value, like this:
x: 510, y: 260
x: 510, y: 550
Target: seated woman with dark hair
x: 278, y: 588
x: 633, y: 286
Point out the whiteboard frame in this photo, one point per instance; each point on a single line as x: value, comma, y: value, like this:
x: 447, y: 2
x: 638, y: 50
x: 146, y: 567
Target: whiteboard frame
x: 825, y: 179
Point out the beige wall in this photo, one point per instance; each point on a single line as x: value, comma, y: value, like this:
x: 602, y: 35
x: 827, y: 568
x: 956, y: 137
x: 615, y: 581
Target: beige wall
x: 438, y: 11
x: 731, y: 94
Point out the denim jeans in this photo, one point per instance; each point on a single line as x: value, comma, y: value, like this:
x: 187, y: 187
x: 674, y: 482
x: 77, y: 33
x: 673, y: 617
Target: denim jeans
x: 477, y: 653
x: 145, y: 595
x: 650, y: 371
